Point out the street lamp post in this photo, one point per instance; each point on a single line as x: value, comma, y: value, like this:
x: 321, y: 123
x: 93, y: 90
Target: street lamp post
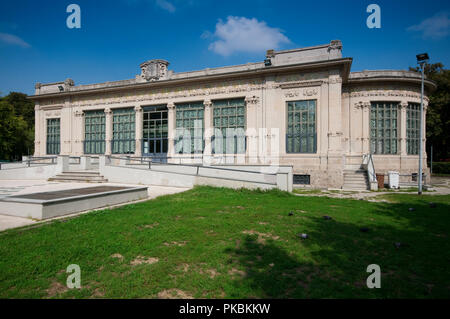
x: 421, y: 60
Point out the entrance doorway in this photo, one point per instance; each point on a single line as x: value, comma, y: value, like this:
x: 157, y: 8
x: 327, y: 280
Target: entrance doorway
x: 155, y: 132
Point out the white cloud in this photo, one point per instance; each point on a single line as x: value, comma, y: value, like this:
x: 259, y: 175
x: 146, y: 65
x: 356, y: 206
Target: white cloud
x: 13, y: 40
x: 166, y: 5
x: 436, y: 27
x: 240, y: 34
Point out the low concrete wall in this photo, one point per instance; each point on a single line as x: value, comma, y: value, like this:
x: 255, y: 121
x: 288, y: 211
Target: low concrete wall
x: 187, y: 176
x: 43, y: 209
x: 35, y: 172
x: 123, y: 174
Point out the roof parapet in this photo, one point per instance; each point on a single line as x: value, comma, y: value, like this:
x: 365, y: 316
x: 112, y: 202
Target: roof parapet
x: 330, y: 51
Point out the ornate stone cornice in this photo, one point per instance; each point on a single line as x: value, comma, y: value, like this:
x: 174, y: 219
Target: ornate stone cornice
x: 299, y: 84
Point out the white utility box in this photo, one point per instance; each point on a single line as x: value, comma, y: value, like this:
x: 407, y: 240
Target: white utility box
x: 394, y: 179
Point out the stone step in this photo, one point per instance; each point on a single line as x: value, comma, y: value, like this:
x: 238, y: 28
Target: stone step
x: 79, y: 176
x: 355, y: 185
x: 355, y: 178
x: 354, y: 171
x: 65, y: 180
x: 353, y: 167
x: 81, y: 173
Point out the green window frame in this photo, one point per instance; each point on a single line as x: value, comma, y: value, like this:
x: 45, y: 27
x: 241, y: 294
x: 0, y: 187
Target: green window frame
x: 155, y: 130
x: 229, y: 114
x: 301, y: 135
x: 53, y: 136
x: 384, y: 127
x: 94, y: 132
x: 123, y: 141
x: 412, y: 128
x: 189, y: 117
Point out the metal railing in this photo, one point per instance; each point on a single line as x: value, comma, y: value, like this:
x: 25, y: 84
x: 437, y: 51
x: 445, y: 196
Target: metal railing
x: 370, y: 167
x: 29, y: 161
x: 151, y: 165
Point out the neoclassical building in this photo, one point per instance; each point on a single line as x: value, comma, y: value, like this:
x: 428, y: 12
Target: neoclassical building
x: 302, y: 107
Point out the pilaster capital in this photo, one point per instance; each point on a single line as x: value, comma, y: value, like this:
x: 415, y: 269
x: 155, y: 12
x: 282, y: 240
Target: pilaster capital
x: 362, y: 105
x: 171, y: 106
x: 251, y: 100
x: 108, y: 111
x: 79, y: 113
x: 138, y: 108
x: 207, y: 103
x: 403, y: 105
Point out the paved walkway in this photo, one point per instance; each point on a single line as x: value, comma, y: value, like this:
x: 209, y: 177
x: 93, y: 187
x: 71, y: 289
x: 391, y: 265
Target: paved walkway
x: 440, y: 186
x: 19, y: 187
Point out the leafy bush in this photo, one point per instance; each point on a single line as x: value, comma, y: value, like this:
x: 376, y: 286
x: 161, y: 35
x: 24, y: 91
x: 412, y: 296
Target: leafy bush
x: 441, y: 167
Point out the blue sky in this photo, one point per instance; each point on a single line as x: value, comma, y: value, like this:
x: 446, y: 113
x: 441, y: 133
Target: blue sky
x: 116, y: 36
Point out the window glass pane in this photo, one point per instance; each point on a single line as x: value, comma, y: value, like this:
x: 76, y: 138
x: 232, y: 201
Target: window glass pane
x: 229, y: 114
x: 123, y: 131
x: 383, y: 127
x: 190, y: 129
x: 53, y: 136
x: 94, y: 127
x: 412, y: 128
x: 301, y: 136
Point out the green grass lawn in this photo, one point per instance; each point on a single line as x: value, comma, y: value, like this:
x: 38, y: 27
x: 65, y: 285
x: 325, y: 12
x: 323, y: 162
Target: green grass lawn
x: 223, y: 243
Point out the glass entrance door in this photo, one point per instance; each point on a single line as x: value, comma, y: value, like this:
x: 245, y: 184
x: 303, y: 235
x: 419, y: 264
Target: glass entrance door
x: 155, y: 132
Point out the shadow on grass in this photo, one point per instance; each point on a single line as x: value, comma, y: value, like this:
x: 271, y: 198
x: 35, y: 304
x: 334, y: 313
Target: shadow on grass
x: 332, y: 262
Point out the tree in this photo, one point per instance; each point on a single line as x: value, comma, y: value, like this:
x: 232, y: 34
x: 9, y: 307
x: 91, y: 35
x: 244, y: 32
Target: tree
x: 16, y: 126
x: 438, y: 112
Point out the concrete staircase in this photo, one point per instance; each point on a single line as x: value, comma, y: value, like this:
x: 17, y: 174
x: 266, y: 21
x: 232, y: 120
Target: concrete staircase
x: 356, y: 179
x: 79, y: 176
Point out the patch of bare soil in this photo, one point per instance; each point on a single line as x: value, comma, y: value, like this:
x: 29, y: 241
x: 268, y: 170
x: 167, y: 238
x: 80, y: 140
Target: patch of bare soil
x: 151, y: 225
x: 184, y: 267
x: 174, y: 293
x: 235, y: 271
x: 144, y: 260
x: 261, y: 236
x: 98, y: 293
x: 55, y: 289
x: 175, y: 243
x: 210, y: 272
x: 117, y: 255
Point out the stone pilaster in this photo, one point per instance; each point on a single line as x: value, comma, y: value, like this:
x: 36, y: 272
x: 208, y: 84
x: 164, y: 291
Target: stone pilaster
x: 37, y: 130
x: 208, y: 125
x: 252, y: 104
x: 335, y: 134
x: 365, y: 140
x: 171, y: 127
x: 79, y: 127
x: 66, y: 128
x: 138, y: 130
x: 401, y: 124
x: 108, y: 131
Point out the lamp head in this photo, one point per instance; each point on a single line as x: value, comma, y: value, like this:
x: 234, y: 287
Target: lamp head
x: 422, y: 58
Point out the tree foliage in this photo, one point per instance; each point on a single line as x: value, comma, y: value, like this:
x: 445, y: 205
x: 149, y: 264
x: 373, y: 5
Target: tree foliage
x: 16, y: 126
x: 438, y: 112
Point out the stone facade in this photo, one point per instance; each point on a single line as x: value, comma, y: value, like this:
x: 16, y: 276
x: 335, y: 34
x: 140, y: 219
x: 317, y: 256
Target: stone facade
x: 342, y: 119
